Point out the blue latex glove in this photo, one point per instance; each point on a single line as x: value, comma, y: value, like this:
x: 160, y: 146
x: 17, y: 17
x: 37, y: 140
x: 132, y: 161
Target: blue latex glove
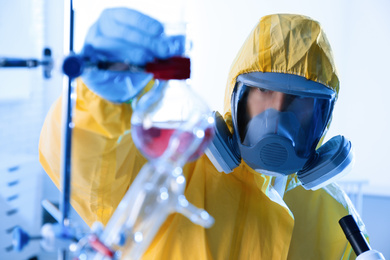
x: 122, y: 34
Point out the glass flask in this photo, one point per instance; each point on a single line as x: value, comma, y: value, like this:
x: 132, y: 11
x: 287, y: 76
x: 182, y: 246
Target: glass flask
x: 169, y: 119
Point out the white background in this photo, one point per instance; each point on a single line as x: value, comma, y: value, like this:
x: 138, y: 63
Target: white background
x: 357, y: 30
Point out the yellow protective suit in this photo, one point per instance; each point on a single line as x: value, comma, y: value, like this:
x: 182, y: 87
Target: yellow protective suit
x: 251, y: 220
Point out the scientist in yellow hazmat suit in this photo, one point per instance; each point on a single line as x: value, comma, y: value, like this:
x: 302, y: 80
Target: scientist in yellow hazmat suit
x: 283, y: 77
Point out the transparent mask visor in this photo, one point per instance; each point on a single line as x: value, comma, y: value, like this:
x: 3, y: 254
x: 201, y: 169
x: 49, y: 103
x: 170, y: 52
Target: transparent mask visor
x: 259, y: 111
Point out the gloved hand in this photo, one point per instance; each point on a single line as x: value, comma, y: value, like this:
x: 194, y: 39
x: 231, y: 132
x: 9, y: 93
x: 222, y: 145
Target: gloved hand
x: 122, y: 34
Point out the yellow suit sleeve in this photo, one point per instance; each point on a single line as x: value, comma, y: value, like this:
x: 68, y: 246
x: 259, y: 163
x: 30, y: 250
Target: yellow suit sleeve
x: 104, y: 160
x: 316, y: 216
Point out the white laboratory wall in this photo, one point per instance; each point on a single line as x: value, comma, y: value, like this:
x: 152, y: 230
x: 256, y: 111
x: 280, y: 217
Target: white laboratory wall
x: 13, y: 42
x: 21, y: 117
x: 24, y: 95
x: 20, y: 90
x: 26, y: 27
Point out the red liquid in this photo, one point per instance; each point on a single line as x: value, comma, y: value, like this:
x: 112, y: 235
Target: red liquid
x: 153, y: 142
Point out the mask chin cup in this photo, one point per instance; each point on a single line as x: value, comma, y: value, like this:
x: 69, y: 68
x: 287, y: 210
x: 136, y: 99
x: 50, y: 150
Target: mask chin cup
x: 331, y: 161
x: 223, y: 151
x: 274, y: 153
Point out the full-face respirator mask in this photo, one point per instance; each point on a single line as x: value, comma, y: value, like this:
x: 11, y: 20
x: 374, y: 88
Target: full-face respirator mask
x: 279, y: 120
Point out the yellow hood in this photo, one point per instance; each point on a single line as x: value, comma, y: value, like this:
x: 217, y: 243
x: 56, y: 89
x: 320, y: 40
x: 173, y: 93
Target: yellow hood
x: 284, y: 43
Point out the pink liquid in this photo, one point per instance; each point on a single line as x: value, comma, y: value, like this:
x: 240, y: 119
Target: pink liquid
x: 153, y: 142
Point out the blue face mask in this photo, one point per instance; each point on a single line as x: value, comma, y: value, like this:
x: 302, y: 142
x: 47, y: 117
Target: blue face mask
x: 278, y: 122
x: 273, y: 142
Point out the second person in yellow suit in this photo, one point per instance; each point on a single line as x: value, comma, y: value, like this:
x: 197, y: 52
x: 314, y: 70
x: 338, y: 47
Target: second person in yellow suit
x: 252, y: 220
